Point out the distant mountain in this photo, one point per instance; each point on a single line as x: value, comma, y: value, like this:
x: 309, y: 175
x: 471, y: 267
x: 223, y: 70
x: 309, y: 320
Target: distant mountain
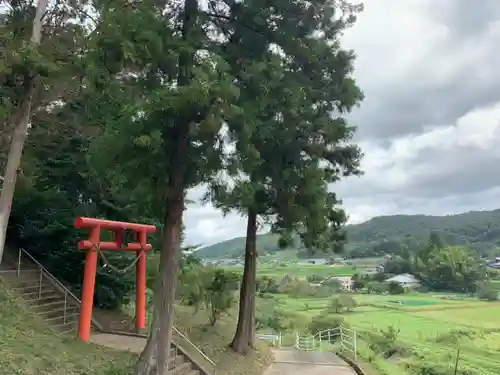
x: 479, y: 230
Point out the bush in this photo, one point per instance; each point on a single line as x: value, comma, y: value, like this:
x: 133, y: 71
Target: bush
x: 376, y: 287
x: 341, y: 304
x: 218, y: 295
x: 485, y: 291
x: 395, y: 288
x: 213, y: 287
x: 281, y: 321
x: 384, y: 342
x: 325, y: 321
x: 267, y: 284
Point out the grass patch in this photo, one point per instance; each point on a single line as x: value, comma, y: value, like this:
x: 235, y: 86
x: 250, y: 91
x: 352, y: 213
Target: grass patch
x: 483, y: 316
x: 28, y: 346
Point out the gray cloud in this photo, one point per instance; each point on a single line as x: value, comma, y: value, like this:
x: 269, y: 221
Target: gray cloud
x: 448, y: 71
x: 465, y: 19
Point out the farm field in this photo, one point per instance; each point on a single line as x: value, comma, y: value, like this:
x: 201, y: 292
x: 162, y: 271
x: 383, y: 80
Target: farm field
x: 376, y: 303
x: 302, y: 271
x: 431, y: 327
x: 299, y: 270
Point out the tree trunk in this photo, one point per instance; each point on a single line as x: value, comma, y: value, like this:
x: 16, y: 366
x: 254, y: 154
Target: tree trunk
x: 243, y: 337
x: 20, y: 133
x: 155, y: 356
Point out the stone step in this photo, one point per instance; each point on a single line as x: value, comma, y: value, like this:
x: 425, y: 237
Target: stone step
x: 44, y: 300
x: 13, y: 276
x: 62, y: 320
x: 59, y: 311
x: 53, y: 306
x: 31, y: 294
x: 25, y: 287
x: 68, y: 328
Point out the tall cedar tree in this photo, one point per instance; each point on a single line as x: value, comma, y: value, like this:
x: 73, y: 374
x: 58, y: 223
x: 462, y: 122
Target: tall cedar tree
x: 21, y: 117
x: 40, y: 45
x: 175, y: 95
x: 291, y: 140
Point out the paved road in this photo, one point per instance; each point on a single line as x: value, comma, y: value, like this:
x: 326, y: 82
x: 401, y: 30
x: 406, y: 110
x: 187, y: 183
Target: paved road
x: 297, y: 362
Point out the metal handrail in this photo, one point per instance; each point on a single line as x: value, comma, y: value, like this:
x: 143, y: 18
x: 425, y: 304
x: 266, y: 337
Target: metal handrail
x: 53, y: 279
x: 212, y: 363
x: 47, y: 273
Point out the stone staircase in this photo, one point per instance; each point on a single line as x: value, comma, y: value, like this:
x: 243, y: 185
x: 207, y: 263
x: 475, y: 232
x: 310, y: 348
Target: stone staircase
x: 45, y: 299
x: 57, y: 306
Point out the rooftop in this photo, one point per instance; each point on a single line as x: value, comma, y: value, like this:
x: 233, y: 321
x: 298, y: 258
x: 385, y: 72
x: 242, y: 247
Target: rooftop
x: 404, y: 278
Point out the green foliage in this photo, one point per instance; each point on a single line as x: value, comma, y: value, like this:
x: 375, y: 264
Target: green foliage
x: 376, y: 287
x: 333, y: 284
x: 384, y: 341
x: 485, y: 290
x: 219, y: 294
x: 450, y: 268
x: 267, y: 284
x: 341, y: 303
x: 395, y: 288
x: 49, y: 196
x: 325, y: 321
x: 205, y: 286
x: 279, y: 321
x: 298, y: 288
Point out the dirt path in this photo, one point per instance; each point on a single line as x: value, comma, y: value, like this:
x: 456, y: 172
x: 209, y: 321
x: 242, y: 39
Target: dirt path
x: 298, y: 362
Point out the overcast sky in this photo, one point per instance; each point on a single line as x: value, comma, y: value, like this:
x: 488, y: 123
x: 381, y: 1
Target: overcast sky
x: 430, y: 123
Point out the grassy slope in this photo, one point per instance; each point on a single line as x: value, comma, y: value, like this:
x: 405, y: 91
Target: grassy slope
x: 28, y: 347
x: 479, y: 230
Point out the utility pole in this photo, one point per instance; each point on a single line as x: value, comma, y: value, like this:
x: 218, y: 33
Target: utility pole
x: 456, y: 361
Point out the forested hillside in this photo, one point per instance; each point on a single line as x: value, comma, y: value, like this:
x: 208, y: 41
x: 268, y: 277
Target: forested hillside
x: 480, y: 230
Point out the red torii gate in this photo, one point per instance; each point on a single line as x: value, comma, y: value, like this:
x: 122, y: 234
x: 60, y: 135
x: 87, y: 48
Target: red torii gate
x: 93, y: 245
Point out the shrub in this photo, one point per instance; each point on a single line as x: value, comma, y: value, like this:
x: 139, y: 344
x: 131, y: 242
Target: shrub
x: 325, y: 321
x: 395, y: 288
x: 485, y: 291
x: 341, y: 303
x: 384, y: 342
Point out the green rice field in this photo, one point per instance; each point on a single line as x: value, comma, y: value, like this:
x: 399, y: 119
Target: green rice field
x: 300, y: 270
x: 432, y: 327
